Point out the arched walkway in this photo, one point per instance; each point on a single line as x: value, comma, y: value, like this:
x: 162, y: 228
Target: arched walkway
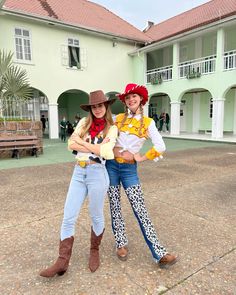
x: 69, y: 104
x: 230, y: 111
x: 196, y: 110
x: 159, y: 103
x: 117, y: 107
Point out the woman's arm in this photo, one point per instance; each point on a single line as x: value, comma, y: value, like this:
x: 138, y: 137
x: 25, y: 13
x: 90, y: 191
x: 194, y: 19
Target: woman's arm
x: 158, y: 145
x: 75, y: 142
x: 104, y: 149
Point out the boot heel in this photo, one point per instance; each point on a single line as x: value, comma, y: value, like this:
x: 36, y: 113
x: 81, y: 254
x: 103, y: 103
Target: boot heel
x: 62, y: 263
x: 61, y: 273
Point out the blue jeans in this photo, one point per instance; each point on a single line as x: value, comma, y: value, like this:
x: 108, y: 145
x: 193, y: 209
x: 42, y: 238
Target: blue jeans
x: 91, y: 181
x: 126, y: 174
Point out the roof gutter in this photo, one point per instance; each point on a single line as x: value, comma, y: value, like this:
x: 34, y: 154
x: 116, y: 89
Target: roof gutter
x: 51, y: 21
x: 173, y: 39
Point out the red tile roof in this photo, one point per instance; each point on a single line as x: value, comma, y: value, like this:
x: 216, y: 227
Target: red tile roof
x: 81, y: 13
x: 191, y: 19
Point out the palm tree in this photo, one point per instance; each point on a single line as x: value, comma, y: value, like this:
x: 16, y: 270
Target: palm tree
x: 14, y: 85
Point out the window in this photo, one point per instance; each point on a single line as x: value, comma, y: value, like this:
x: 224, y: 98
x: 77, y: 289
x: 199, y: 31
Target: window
x: 74, y: 53
x: 23, y: 44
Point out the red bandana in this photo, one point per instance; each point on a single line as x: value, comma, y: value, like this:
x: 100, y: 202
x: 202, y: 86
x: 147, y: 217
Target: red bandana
x: 97, y: 126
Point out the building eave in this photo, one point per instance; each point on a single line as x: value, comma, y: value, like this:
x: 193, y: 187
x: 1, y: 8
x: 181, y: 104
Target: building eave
x: 49, y: 20
x: 184, y: 34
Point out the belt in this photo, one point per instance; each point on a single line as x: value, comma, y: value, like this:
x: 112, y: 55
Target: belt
x: 83, y: 164
x: 123, y: 161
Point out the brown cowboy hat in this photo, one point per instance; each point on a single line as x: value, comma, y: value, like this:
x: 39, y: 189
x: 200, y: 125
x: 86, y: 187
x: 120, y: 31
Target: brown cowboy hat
x: 96, y: 97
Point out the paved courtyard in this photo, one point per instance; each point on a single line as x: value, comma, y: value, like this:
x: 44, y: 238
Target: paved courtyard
x: 191, y: 197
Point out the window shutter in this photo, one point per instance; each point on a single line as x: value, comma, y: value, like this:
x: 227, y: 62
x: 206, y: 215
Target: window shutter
x: 83, y: 58
x: 64, y: 55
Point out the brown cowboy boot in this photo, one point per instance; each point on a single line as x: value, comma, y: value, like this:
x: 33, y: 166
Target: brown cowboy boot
x: 61, y: 265
x: 94, y: 260
x: 167, y: 260
x: 122, y: 253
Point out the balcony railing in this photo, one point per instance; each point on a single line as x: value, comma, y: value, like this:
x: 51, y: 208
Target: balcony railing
x: 230, y: 60
x: 156, y: 76
x: 199, y: 66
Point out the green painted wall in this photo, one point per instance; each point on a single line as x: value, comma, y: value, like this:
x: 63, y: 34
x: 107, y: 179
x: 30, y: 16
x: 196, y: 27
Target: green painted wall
x: 230, y: 38
x: 108, y: 68
x: 205, y: 120
x: 69, y: 105
x: 188, y: 97
x: 209, y: 44
x: 187, y: 50
x: 160, y: 58
x: 229, y: 110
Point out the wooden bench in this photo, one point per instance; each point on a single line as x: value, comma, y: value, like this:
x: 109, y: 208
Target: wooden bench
x: 15, y: 143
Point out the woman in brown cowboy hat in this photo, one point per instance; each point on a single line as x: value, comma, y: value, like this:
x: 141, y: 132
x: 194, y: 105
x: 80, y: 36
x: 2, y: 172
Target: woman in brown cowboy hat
x: 134, y: 129
x: 93, y: 139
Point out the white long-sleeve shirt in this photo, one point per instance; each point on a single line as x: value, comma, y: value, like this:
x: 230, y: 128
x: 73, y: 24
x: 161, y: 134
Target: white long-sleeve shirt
x: 130, y: 140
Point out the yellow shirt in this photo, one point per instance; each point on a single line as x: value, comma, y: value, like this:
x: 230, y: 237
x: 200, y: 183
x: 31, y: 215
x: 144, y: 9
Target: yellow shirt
x: 130, y: 140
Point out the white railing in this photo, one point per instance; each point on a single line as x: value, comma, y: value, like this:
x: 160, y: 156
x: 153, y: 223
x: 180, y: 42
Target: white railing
x: 230, y: 60
x: 159, y: 74
x: 13, y: 109
x: 200, y: 66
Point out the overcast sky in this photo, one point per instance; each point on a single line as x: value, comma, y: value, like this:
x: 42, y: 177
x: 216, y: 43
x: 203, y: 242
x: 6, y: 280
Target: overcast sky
x: 138, y: 12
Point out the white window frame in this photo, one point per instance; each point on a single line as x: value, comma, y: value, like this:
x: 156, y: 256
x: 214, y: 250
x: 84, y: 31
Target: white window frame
x: 65, y: 54
x: 26, y: 41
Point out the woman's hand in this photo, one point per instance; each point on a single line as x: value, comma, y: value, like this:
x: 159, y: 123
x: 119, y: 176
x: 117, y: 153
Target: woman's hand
x: 139, y: 158
x: 125, y: 154
x: 77, y: 139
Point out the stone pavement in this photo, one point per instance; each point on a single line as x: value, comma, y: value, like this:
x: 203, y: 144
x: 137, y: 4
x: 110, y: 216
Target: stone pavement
x: 191, y: 197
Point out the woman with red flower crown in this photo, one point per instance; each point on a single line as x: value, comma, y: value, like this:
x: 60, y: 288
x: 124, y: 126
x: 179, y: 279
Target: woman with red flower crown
x: 134, y: 128
x: 93, y: 140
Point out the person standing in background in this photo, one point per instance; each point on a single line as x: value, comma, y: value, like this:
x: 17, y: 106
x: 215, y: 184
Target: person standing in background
x: 63, y: 125
x: 43, y: 120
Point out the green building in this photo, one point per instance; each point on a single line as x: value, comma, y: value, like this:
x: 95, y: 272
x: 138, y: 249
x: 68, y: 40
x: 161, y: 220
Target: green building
x: 188, y: 62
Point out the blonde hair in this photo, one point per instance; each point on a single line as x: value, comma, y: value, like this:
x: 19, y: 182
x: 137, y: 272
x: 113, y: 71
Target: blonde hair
x: 89, y: 120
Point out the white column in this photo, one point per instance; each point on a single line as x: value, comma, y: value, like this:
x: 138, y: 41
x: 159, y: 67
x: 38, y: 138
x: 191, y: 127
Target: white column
x: 234, y: 130
x: 175, y: 118
x: 196, y: 112
x: 175, y: 70
x: 53, y: 120
x: 36, y: 105
x: 145, y: 109
x: 218, y: 118
x: 220, y: 50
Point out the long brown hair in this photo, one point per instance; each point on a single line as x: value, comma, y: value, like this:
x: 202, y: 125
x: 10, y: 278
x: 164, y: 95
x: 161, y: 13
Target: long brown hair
x: 89, y: 119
